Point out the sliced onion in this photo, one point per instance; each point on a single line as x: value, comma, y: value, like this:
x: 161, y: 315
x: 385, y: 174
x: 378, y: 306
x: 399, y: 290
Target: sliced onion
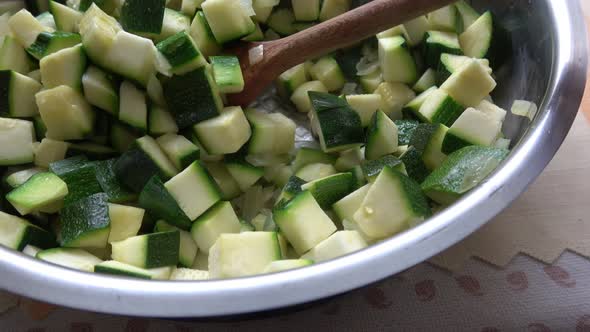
x: 349, y: 89
x: 256, y: 54
x: 364, y: 67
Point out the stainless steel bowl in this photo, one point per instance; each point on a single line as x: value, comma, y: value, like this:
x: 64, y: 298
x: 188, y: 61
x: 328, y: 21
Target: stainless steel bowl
x: 549, y: 68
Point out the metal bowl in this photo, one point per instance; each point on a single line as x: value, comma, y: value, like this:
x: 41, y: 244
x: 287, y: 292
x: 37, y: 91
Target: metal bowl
x: 549, y: 67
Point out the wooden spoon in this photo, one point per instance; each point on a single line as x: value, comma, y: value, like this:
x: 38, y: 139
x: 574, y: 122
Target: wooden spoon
x: 353, y: 26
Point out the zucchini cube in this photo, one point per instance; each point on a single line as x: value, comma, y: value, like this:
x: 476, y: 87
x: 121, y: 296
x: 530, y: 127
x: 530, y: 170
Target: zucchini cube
x: 148, y: 251
x: 220, y: 219
x: 17, y: 94
x: 226, y: 133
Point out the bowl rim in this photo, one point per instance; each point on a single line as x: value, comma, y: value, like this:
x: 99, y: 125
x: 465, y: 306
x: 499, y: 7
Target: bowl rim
x: 109, y: 294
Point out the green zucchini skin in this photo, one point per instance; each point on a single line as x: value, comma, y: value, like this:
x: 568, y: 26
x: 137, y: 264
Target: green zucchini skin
x: 158, y: 202
x: 143, y: 16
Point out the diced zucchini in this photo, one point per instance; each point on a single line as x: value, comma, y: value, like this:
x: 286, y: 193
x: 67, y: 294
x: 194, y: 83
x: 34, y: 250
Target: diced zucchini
x: 98, y: 31
x: 220, y: 219
x: 473, y: 127
x: 271, y: 133
x: 133, y: 106
x: 188, y: 248
x: 161, y: 121
x: 303, y: 222
x: 50, y: 151
x: 41, y: 190
x: 438, y: 107
x: 492, y: 110
x: 179, y: 150
x: 86, y: 223
x: 307, y: 10
x: 327, y: 71
x: 382, y: 137
x: 16, y: 142
x: 132, y: 56
x: 338, y: 244
x: 429, y: 140
x: 174, y: 22
x: 122, y: 269
x: 194, y: 190
x: 394, y: 96
x: 181, y: 53
x: 160, y: 204
x: 437, y: 43
x: 255, y: 36
x: 524, y: 108
x: 156, y: 92
x: 316, y: 171
x: 470, y: 84
x: 346, y: 207
x: 244, y: 173
x: 300, y: 96
x: 339, y: 127
x: 413, y: 107
x: 189, y: 274
x: 100, y: 90
x: 485, y: 38
x: 467, y: 14
x: 109, y: 6
x: 415, y: 30
x: 136, y: 166
x: 291, y: 188
x: 13, y: 56
x: 306, y: 156
x: 16, y: 233
x: 26, y: 28
x: 226, y: 133
x: 397, y: 30
x: 92, y: 150
x: 397, y: 63
x: 76, y: 259
x: 292, y: 79
x: 80, y: 176
x: 65, y: 113
x: 244, y: 254
x: 203, y: 36
x: 66, y: 19
x: 17, y: 95
x: 365, y: 105
x: 414, y: 164
x: 228, y: 20
x: 51, y: 42
x: 227, y: 74
x: 125, y: 221
x: 19, y: 177
x: 121, y: 137
x: 372, y: 168
x: 371, y: 82
x: 189, y: 7
x: 349, y: 159
x: 282, y: 21
x: 333, y: 8
x: 426, y: 81
x: 193, y: 97
x: 226, y: 183
x: 450, y: 63
x: 143, y: 16
x: 444, y: 19
x: 64, y: 67
x: 392, y: 191
x: 461, y: 172
x: 263, y: 9
x: 105, y: 175
x: 148, y: 251
x: 330, y: 189
x: 285, y: 265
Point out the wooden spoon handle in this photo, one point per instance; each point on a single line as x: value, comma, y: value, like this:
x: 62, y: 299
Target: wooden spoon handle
x: 353, y: 26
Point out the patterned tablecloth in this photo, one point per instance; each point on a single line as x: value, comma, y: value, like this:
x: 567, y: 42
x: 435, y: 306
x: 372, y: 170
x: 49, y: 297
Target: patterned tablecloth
x: 525, y: 295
